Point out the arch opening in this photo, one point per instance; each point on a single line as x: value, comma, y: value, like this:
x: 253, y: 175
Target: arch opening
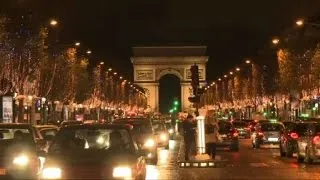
x: 169, y: 92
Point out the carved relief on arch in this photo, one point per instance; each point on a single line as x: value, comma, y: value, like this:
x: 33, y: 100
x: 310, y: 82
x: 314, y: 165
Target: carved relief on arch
x: 164, y: 71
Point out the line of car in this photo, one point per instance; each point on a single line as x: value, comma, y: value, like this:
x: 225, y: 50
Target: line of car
x: 119, y: 150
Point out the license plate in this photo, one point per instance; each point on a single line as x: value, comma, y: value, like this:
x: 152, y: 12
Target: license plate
x: 273, y: 139
x: 3, y: 171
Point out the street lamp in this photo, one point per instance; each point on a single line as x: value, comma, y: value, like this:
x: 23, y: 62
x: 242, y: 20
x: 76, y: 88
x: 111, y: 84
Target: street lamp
x: 101, y: 63
x: 115, y: 73
x: 237, y: 69
x: 89, y: 52
x: 219, y: 79
x: 110, y: 69
x: 230, y: 72
x: 299, y: 22
x: 248, y: 61
x: 275, y: 41
x: 77, y: 44
x: 53, y: 22
x: 225, y: 76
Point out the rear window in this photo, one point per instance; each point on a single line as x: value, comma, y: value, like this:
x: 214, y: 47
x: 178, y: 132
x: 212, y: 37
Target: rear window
x: 271, y: 127
x: 318, y: 128
x: 239, y: 124
x: 301, y: 129
x: 225, y: 127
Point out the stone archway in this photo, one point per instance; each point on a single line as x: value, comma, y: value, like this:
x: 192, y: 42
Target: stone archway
x: 151, y: 63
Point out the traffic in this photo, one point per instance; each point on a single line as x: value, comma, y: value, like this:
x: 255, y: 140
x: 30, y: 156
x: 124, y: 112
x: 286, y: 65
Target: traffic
x: 123, y: 148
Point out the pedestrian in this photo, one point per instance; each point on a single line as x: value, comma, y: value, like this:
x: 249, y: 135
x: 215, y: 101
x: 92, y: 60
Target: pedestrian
x: 211, y: 134
x: 189, y: 134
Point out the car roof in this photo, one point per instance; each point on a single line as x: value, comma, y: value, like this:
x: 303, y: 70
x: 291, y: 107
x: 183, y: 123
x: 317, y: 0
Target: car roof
x: 103, y: 126
x: 15, y: 125
x: 46, y: 126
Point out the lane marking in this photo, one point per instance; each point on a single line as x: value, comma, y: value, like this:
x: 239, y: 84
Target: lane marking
x: 258, y: 165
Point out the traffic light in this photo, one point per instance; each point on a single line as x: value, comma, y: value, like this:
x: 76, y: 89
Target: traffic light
x: 175, y: 103
x: 194, y: 76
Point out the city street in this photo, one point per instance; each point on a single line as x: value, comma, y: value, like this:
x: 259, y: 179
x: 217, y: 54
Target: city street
x: 248, y: 163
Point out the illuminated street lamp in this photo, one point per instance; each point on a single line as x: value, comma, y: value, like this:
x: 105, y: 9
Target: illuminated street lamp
x: 77, y: 44
x: 275, y: 41
x: 89, y: 52
x: 101, y: 63
x: 230, y: 72
x: 120, y: 77
x: 219, y: 79
x: 53, y: 22
x: 110, y: 69
x: 248, y: 61
x: 237, y: 69
x: 299, y: 22
x: 115, y: 73
x: 225, y: 76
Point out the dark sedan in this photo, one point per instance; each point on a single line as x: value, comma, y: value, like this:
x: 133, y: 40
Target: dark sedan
x: 18, y: 152
x: 228, y: 135
x: 94, y: 151
x: 290, y: 136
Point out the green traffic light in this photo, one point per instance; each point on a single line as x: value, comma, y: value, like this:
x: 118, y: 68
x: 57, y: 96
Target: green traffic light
x: 175, y: 108
x: 176, y: 103
x: 171, y: 110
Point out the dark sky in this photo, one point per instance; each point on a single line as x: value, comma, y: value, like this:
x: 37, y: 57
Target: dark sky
x: 232, y: 29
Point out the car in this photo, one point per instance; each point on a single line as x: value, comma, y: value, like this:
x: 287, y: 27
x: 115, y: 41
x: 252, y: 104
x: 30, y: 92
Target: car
x: 94, y: 151
x: 266, y: 133
x: 229, y: 136
x: 289, y: 137
x: 309, y: 146
x: 18, y: 152
x: 162, y: 133
x: 144, y: 135
x: 171, y: 130
x: 242, y: 128
x: 46, y: 133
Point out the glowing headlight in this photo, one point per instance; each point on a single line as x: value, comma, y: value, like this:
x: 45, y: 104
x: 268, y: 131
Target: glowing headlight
x: 21, y: 160
x: 51, y: 173
x: 149, y: 143
x: 122, y: 172
x: 171, y: 131
x: 163, y: 137
x: 100, y: 140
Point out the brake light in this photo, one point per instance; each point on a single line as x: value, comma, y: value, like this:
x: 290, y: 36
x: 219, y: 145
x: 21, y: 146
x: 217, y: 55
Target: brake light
x: 260, y: 134
x: 235, y: 134
x: 316, y: 140
x: 294, y: 135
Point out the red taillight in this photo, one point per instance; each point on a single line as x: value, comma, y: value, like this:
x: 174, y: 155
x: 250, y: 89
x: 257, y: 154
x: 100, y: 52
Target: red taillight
x: 316, y: 140
x: 260, y: 134
x: 294, y: 135
x: 235, y: 134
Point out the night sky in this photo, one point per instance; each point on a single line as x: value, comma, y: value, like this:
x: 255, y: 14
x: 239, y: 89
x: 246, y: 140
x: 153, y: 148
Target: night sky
x: 232, y: 29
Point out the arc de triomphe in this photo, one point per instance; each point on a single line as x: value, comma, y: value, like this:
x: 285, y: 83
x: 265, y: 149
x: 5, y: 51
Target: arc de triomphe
x: 151, y: 63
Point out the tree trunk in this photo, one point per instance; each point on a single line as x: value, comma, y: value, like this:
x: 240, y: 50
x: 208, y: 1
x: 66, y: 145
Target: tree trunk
x: 33, y: 113
x: 21, y: 111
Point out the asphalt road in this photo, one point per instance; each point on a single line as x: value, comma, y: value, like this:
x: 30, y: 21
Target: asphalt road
x: 248, y: 163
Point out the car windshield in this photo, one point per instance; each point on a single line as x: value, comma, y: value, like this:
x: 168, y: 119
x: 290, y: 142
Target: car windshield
x: 15, y: 136
x: 270, y: 127
x: 239, y: 124
x: 82, y: 139
x: 158, y: 126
